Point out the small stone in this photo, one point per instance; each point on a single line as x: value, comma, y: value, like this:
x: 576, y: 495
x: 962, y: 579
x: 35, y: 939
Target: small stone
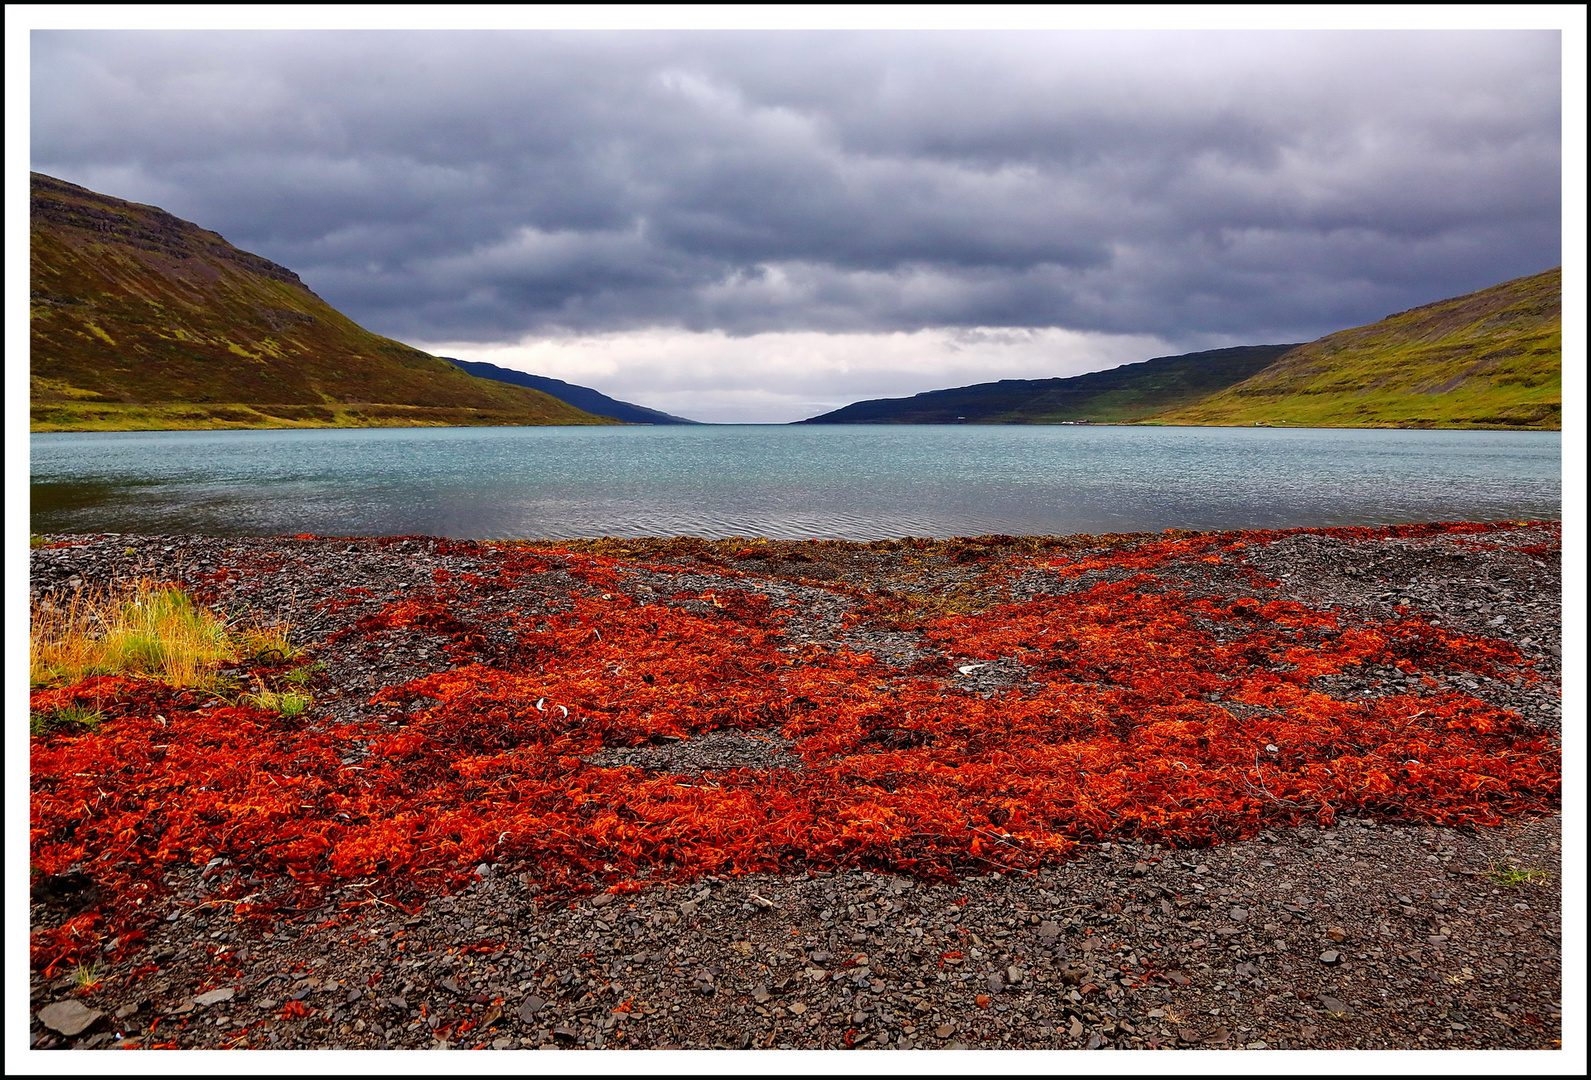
x: 1337, y: 934
x: 1331, y: 956
x: 69, y: 1017
x: 530, y: 1007
x: 995, y: 984
x: 214, y: 997
x: 944, y: 1031
x: 1333, y: 1006
x: 1014, y: 975
x: 602, y: 899
x: 797, y: 1008
x: 1075, y: 1029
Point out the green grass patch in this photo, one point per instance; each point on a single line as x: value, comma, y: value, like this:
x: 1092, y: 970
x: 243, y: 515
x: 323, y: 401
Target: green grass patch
x: 287, y: 703
x: 70, y: 719
x: 1510, y: 876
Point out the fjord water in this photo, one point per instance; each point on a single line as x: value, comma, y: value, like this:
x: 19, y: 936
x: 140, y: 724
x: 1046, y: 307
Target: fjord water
x: 850, y: 482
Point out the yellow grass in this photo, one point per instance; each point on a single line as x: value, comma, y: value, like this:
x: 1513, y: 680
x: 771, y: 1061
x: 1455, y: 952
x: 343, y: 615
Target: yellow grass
x: 143, y: 629
x: 288, y: 703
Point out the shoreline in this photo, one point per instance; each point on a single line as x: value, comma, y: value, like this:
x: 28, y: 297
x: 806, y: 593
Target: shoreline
x: 1119, y: 942
x: 291, y: 425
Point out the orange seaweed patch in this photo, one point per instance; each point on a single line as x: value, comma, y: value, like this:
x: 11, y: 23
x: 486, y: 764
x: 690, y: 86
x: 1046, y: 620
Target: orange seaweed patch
x: 1150, y: 715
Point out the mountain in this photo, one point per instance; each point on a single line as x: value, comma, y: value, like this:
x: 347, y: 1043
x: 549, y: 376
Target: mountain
x: 1489, y: 359
x: 581, y: 397
x: 1129, y: 392
x: 140, y: 320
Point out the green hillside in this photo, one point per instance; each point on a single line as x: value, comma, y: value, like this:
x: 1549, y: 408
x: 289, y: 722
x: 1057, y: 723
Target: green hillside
x: 1490, y: 359
x: 1120, y: 394
x: 140, y: 320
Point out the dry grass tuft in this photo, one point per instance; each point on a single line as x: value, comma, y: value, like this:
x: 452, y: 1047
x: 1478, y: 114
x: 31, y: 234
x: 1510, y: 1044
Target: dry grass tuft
x: 145, y: 629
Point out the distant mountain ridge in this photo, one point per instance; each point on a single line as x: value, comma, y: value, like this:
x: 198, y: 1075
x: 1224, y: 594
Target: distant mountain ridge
x: 1492, y: 358
x: 1488, y: 359
x: 141, y: 320
x: 581, y: 397
x: 1120, y: 394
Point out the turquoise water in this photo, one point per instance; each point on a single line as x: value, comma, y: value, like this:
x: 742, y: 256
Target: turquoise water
x: 853, y: 482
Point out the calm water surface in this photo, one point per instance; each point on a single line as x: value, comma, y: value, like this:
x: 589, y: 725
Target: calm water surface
x: 859, y: 483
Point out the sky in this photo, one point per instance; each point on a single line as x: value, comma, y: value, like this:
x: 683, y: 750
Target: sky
x: 761, y: 225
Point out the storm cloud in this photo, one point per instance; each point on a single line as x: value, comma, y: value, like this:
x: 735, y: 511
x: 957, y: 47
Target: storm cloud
x: 1178, y: 189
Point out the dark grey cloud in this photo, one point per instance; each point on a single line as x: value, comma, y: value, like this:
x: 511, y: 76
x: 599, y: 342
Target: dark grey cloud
x: 471, y: 186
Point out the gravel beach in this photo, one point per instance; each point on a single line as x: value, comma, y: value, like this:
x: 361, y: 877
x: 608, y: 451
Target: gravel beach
x: 1367, y: 933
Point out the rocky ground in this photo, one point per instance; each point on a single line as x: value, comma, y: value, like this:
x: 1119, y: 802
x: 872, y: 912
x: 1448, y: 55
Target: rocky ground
x: 1368, y: 935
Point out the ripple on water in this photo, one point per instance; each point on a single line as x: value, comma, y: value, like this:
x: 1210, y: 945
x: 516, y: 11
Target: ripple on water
x: 861, y: 483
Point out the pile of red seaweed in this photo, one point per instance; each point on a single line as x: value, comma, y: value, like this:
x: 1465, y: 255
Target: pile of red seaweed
x: 1151, y: 714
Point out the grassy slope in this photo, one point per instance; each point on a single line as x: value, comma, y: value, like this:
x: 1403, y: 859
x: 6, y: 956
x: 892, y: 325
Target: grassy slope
x: 1124, y: 393
x: 142, y: 320
x: 1490, y: 359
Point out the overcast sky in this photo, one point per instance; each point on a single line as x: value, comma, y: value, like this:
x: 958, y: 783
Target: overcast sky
x: 761, y: 226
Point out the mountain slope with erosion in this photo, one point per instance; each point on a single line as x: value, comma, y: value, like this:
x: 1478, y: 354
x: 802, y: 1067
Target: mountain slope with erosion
x: 141, y: 320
